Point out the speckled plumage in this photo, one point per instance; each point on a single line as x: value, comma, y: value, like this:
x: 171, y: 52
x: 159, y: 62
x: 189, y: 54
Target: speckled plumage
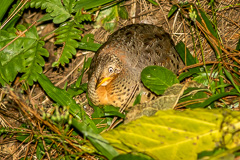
x: 122, y: 58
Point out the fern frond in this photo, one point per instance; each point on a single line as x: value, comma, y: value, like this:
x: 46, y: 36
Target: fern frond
x: 80, y: 17
x: 68, y: 34
x: 22, y: 55
x: 58, y: 10
x: 34, y: 62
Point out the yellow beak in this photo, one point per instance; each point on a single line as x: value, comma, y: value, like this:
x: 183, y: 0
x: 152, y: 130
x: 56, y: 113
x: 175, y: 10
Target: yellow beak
x: 104, y: 82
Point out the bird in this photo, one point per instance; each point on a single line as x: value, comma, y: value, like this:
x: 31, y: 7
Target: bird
x: 114, y: 77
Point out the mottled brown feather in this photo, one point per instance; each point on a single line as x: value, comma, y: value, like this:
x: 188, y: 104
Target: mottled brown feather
x: 130, y: 50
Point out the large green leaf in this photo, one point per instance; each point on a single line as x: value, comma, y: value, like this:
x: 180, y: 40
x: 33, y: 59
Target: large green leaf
x: 158, y: 79
x: 178, y: 134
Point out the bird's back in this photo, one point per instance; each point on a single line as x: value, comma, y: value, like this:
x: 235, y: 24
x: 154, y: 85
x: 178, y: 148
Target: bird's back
x: 146, y: 45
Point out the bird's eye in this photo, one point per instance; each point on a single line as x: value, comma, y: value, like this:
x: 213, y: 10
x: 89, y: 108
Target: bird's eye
x: 110, y: 70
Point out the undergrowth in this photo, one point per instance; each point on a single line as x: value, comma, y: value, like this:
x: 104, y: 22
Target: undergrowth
x: 67, y: 132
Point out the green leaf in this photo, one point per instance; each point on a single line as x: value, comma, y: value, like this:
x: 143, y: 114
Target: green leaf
x: 58, y: 95
x: 108, y: 18
x: 14, y: 20
x: 46, y: 17
x: 69, y: 5
x: 138, y: 99
x: 132, y: 157
x: 2, y: 82
x: 89, y: 46
x: 202, y: 77
x: 98, y: 142
x: 112, y: 111
x: 64, y: 99
x: 74, y: 91
x: 177, y: 134
x: 56, y: 8
x: 23, y: 137
x: 98, y: 117
x: 98, y: 112
x: 214, y: 98
x: 34, y: 62
x: 158, y: 79
x: 40, y: 150
x: 153, y: 2
x: 206, y: 21
x: 186, y: 56
x: 88, y: 4
x: 86, y: 66
x: 11, y: 58
x: 122, y: 11
x: 238, y: 45
x: 184, y: 75
x: 25, y: 54
x: 229, y: 76
x: 235, y: 68
x: 164, y: 102
x: 87, y: 43
x: 12, y: 23
x: 68, y: 35
x: 219, y: 153
x: 191, y: 95
x: 4, y: 7
x: 195, y: 73
x: 172, y: 11
x: 81, y: 17
x: 88, y: 38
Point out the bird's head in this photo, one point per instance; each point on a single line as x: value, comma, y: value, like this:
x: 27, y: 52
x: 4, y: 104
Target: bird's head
x: 109, y: 68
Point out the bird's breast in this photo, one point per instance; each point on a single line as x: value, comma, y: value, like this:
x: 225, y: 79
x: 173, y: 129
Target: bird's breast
x: 106, y: 96
x: 103, y: 95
